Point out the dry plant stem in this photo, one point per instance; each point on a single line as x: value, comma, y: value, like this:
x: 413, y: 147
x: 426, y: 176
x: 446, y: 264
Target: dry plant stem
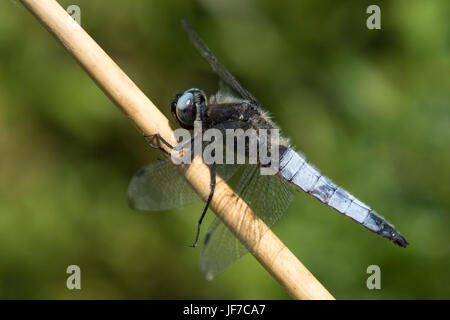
x: 258, y: 238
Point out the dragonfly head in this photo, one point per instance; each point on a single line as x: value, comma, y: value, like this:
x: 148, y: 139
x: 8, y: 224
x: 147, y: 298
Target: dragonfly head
x: 187, y: 107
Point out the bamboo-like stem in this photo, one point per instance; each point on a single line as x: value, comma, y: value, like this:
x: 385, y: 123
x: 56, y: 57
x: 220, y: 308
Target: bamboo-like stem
x: 239, y: 218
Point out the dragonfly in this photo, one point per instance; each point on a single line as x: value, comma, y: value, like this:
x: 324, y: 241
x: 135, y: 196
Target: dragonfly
x: 159, y: 186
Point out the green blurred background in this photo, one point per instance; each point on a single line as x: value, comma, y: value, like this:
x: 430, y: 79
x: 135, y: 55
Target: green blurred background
x: 370, y: 108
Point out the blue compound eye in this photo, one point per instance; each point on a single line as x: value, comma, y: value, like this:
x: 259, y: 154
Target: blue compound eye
x: 185, y: 109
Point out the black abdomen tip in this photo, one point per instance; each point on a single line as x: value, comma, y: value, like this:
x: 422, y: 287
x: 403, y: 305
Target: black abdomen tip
x: 400, y: 240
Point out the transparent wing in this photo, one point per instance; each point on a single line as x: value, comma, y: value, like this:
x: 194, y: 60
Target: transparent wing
x: 159, y: 186
x: 268, y: 196
x: 215, y: 64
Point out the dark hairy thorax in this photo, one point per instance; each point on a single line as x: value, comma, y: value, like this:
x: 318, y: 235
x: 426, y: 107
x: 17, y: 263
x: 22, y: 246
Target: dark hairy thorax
x: 242, y: 115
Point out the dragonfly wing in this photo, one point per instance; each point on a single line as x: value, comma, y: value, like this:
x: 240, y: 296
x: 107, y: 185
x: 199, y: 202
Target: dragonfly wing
x: 218, y: 68
x: 159, y: 186
x: 268, y: 196
x: 225, y: 94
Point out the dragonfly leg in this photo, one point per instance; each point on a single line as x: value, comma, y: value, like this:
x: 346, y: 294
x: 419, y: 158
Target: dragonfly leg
x: 158, y: 136
x: 212, y: 170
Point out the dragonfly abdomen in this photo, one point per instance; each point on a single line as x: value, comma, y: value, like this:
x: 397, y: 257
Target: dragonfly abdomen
x: 298, y: 171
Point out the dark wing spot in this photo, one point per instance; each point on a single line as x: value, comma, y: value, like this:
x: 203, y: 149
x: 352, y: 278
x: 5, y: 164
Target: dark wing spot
x: 140, y: 172
x: 207, y: 237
